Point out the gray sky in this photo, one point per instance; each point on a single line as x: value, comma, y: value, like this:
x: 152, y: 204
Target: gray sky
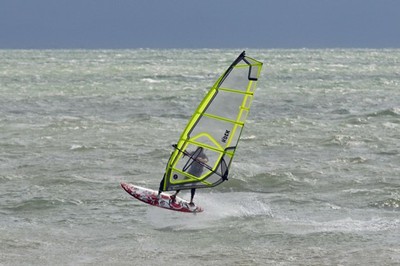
x: 94, y: 24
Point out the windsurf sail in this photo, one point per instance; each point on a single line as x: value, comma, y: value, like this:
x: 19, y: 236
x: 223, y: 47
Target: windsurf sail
x: 204, y: 152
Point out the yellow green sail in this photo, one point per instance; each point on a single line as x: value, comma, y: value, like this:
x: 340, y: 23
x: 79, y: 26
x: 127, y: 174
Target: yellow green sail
x: 211, y: 136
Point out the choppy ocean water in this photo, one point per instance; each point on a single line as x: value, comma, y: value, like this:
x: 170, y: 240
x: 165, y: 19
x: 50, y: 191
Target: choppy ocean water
x: 315, y: 180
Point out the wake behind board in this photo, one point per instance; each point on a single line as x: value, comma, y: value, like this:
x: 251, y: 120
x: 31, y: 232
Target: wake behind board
x: 149, y: 196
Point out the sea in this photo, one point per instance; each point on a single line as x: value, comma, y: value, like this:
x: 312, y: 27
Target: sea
x: 315, y: 179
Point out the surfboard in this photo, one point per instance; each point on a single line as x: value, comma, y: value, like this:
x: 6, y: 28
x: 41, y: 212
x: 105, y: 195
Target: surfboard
x: 150, y: 196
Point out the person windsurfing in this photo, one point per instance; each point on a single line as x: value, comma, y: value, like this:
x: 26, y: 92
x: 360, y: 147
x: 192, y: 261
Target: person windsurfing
x: 196, y: 169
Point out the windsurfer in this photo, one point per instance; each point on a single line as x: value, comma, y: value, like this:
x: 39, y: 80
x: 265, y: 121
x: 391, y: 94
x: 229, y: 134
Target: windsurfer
x: 196, y: 169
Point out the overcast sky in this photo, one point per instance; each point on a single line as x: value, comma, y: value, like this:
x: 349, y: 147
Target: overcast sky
x: 95, y: 24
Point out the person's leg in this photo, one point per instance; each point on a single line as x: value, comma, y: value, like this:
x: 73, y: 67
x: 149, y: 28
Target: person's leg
x: 193, y: 191
x: 161, y: 186
x: 174, y: 195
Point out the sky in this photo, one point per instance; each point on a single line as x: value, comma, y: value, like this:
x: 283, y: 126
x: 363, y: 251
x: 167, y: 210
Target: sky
x: 125, y: 24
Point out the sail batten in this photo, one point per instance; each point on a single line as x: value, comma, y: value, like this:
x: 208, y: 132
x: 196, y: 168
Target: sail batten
x: 204, y: 152
x: 236, y: 91
x: 223, y: 119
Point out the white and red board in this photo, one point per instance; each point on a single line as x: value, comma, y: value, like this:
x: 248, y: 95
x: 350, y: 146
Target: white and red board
x: 150, y: 196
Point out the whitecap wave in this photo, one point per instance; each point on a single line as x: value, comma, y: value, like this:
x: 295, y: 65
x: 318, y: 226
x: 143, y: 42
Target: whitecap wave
x: 217, y: 207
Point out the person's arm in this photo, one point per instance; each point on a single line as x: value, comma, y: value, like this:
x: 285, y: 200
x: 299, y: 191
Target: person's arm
x: 203, y: 159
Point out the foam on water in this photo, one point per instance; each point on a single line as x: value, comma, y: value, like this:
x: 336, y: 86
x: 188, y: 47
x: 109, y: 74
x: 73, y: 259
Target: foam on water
x: 217, y: 207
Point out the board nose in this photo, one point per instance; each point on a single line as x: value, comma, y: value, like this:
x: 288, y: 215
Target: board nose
x: 125, y: 187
